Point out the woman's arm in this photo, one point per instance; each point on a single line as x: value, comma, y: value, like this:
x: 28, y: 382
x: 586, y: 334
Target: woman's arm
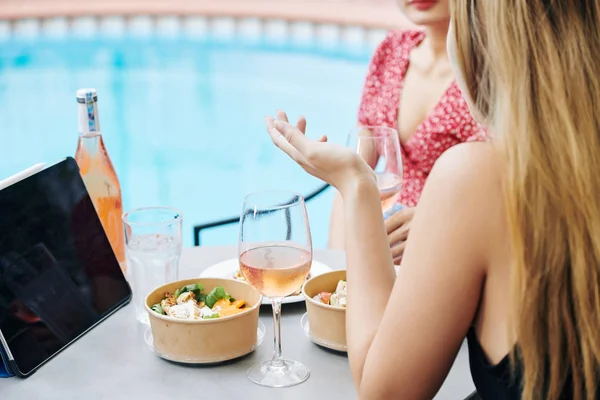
x: 369, y: 153
x: 370, y: 271
x: 403, y: 334
x: 336, y: 224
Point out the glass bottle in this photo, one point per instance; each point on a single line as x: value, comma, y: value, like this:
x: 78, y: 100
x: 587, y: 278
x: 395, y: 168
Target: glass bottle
x: 98, y: 172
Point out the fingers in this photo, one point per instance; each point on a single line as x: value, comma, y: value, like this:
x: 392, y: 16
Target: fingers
x: 398, y: 251
x: 395, y: 221
x: 398, y: 219
x: 282, y: 116
x: 301, y: 124
x: 293, y: 136
x: 281, y: 141
x: 400, y: 234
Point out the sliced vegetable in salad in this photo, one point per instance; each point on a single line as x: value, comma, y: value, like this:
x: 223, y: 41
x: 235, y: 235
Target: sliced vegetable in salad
x: 190, y: 302
x: 337, y: 298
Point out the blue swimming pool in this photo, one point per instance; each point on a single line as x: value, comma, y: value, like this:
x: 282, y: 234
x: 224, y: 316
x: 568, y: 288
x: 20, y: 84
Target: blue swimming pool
x: 182, y: 117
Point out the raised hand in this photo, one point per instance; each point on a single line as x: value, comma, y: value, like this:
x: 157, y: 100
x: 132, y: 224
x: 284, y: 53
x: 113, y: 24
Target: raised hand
x: 332, y: 163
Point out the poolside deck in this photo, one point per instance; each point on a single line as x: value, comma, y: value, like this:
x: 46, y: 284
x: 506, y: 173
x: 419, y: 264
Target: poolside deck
x: 368, y: 13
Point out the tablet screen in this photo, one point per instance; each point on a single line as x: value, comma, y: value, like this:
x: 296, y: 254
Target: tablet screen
x: 58, y: 273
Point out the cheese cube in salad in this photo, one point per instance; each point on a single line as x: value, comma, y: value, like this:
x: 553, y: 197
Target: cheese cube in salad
x: 337, y: 299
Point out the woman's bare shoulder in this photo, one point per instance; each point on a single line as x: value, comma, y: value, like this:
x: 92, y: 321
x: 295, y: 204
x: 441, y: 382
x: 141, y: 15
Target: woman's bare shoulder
x: 466, y: 183
x: 472, y: 166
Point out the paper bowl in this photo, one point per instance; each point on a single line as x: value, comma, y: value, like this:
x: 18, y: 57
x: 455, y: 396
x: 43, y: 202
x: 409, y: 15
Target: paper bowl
x: 327, y: 323
x: 206, y: 340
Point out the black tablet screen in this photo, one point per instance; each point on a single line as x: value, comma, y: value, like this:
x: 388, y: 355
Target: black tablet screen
x: 58, y: 273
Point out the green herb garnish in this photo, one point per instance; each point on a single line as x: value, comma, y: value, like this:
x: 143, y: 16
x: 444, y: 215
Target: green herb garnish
x: 196, y: 288
x: 201, y: 297
x: 215, y: 295
x: 157, y: 309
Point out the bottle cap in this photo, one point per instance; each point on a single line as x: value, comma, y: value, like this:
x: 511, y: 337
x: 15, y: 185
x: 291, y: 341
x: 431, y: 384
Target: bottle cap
x: 88, y: 111
x: 83, y: 94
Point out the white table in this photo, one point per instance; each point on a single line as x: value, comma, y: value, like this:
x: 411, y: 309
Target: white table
x: 113, y: 362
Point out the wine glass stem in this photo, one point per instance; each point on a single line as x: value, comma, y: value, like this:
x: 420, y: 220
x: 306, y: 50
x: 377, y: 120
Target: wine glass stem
x: 277, y: 361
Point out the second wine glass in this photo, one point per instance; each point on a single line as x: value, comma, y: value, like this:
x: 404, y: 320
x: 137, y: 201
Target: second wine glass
x: 275, y: 256
x: 380, y: 147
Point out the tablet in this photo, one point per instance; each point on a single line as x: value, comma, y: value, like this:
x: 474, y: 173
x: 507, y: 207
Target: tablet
x: 58, y: 274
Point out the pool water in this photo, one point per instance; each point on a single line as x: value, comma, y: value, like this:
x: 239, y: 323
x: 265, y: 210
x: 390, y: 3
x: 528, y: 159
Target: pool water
x: 182, y: 118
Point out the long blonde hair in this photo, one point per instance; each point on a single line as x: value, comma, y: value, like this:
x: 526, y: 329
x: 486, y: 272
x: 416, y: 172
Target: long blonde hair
x: 532, y: 68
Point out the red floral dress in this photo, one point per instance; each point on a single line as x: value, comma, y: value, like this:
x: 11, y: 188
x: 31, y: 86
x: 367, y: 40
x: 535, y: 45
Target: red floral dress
x: 448, y: 124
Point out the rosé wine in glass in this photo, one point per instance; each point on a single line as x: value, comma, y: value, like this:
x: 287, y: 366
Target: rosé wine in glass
x: 275, y: 256
x: 389, y: 185
x: 380, y: 147
x: 277, y: 270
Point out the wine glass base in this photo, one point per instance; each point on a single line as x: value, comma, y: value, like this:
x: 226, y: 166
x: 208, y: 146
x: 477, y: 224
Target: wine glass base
x: 269, y: 374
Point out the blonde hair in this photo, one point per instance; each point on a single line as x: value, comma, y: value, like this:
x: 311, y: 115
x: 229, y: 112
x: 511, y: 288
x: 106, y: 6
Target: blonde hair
x: 532, y: 68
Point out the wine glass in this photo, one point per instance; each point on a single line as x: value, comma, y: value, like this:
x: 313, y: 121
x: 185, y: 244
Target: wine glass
x: 275, y: 256
x: 379, y: 146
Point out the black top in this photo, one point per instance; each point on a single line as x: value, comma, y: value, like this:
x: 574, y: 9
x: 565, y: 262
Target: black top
x: 493, y: 382
x: 500, y: 382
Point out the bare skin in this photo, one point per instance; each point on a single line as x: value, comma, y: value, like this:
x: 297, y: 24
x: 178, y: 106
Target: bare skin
x: 427, y: 78
x: 454, y: 273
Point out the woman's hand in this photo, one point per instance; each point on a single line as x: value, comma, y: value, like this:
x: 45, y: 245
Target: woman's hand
x: 332, y: 163
x: 397, y: 227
